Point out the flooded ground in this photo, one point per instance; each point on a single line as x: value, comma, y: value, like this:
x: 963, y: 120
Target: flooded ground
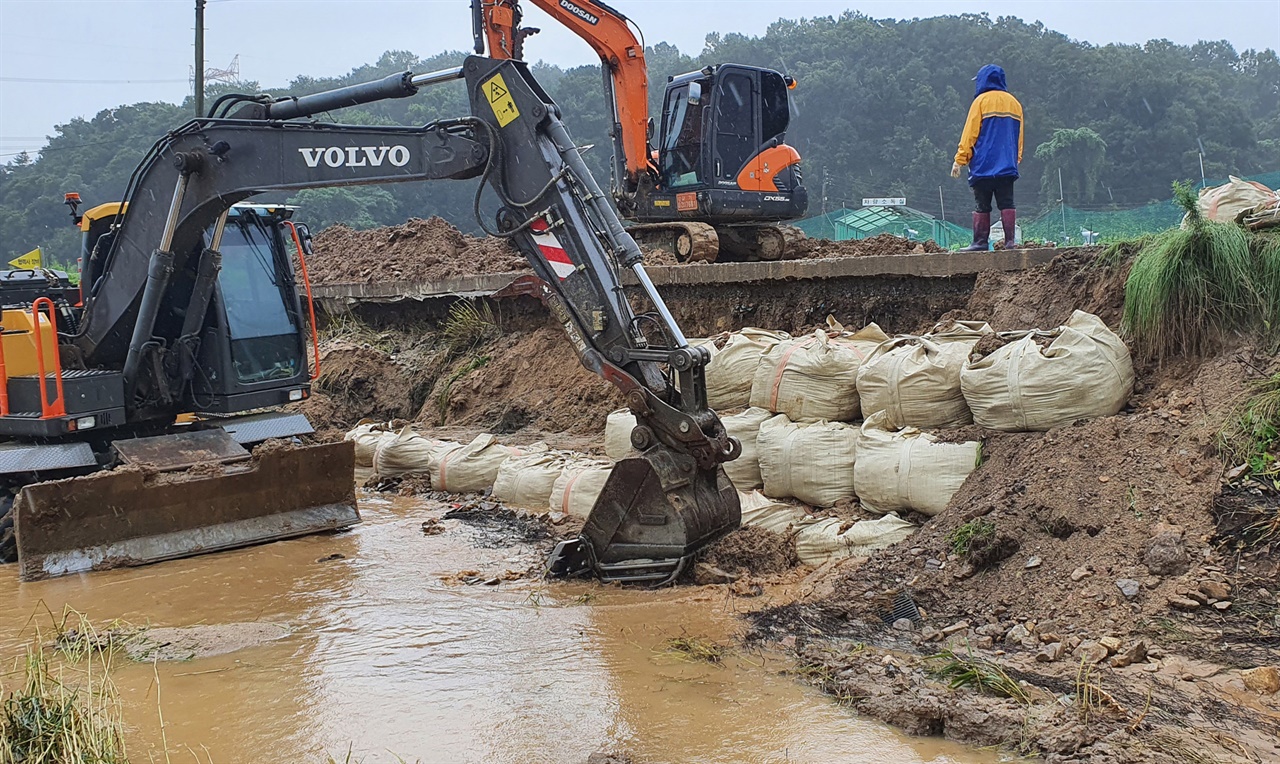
x: 386, y: 653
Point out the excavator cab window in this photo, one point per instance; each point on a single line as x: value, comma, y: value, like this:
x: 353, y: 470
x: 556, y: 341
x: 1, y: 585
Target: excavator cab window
x: 775, y: 108
x: 736, y: 140
x: 682, y: 120
x: 253, y: 282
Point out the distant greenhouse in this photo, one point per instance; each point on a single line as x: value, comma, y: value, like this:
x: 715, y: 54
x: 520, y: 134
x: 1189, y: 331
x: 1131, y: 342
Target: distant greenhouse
x: 843, y: 224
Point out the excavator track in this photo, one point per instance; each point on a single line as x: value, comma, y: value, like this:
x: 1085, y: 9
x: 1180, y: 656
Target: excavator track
x: 689, y: 242
x: 739, y: 243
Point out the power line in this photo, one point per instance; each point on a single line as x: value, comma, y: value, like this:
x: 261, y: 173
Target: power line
x: 88, y: 82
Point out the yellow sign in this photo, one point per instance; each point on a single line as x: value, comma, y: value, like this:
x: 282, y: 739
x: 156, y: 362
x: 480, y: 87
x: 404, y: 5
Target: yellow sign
x: 32, y: 259
x: 500, y: 100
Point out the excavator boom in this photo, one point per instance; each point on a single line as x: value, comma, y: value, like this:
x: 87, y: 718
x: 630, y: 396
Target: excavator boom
x: 713, y: 177
x: 156, y: 320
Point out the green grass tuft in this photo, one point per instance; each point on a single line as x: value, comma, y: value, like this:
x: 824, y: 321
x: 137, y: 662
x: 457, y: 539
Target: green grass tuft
x: 1191, y: 285
x: 971, y: 534
x: 468, y: 327
x: 981, y: 675
x: 50, y: 719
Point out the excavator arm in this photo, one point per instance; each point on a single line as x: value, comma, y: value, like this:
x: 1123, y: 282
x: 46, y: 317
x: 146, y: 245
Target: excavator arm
x: 149, y: 294
x: 610, y: 35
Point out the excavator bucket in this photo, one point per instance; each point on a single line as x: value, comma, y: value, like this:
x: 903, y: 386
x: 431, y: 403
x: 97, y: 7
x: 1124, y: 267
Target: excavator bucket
x: 655, y: 511
x: 179, y: 496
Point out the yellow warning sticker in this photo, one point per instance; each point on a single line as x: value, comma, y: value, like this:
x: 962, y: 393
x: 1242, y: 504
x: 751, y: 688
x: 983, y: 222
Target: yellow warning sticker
x: 500, y: 100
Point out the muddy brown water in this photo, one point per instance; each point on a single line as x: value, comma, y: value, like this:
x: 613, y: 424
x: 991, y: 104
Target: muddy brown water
x: 385, y: 657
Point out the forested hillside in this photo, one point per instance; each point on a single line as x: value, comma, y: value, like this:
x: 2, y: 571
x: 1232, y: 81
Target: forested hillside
x: 878, y: 112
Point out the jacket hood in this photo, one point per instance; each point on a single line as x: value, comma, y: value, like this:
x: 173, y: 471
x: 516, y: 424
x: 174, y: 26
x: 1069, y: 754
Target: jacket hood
x: 990, y: 77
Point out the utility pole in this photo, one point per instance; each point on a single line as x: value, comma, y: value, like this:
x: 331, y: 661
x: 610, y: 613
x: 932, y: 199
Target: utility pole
x: 199, y: 70
x: 1203, y: 182
x: 942, y: 204
x: 824, y: 189
x: 1062, y: 199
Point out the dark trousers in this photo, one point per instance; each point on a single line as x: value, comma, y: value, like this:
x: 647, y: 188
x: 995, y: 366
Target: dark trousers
x: 1000, y: 188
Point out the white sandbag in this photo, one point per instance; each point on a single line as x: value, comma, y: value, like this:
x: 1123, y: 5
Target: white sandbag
x: 735, y: 356
x: 959, y: 331
x: 472, y: 467
x: 811, y: 461
x: 409, y: 453
x: 744, y: 472
x: 367, y: 436
x: 527, y: 481
x: 909, y: 469
x: 1085, y: 372
x: 1233, y: 199
x: 821, y: 541
x: 814, y: 378
x: 617, y: 434
x: 575, y: 491
x: 917, y: 381
x: 760, y: 511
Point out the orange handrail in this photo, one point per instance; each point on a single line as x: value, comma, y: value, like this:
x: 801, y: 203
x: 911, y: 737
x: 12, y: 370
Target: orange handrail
x: 4, y: 380
x: 311, y: 305
x: 57, y: 407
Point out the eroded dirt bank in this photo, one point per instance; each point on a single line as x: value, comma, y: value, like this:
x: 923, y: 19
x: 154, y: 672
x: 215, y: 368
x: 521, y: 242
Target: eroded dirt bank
x: 1110, y: 585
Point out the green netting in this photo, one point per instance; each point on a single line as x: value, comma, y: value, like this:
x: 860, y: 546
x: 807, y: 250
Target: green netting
x: 1069, y: 226
x: 844, y: 224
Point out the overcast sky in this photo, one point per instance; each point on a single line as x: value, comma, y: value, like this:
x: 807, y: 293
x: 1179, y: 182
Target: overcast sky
x: 61, y: 59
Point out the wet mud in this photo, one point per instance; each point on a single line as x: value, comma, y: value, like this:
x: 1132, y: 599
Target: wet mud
x: 390, y: 652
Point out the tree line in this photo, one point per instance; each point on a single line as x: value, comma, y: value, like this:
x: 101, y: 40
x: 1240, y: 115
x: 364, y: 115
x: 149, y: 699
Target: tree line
x: 878, y: 112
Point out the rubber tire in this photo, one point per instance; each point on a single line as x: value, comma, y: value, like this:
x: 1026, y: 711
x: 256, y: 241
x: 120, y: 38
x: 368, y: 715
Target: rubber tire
x: 8, y: 541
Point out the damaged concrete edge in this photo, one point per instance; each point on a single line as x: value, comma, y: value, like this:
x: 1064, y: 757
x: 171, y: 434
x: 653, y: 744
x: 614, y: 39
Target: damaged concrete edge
x: 932, y: 265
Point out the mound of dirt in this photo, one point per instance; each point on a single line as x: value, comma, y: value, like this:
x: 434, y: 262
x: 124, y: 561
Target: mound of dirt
x: 357, y: 382
x: 523, y: 379
x: 418, y: 250
x: 881, y: 244
x: 752, y: 550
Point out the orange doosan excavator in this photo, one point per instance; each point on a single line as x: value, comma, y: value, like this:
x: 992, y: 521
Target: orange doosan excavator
x: 721, y: 179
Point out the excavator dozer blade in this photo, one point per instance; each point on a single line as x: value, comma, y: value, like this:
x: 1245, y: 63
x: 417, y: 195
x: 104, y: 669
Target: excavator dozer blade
x: 655, y: 511
x: 135, y: 516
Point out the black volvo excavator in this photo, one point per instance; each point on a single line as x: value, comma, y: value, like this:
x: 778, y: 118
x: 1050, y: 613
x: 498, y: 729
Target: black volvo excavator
x: 172, y: 323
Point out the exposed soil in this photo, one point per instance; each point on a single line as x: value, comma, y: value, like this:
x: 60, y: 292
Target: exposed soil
x: 527, y: 379
x: 1043, y: 298
x: 497, y: 526
x: 416, y: 251
x: 879, y: 245
x: 753, y: 551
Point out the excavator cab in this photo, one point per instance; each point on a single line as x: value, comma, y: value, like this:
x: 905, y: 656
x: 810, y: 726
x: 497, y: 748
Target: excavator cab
x: 722, y: 151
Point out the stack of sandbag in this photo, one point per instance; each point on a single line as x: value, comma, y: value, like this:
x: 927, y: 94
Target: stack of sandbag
x: 367, y: 436
x: 472, y: 467
x: 744, y: 472
x: 810, y: 461
x: 409, y: 453
x: 917, y: 381
x: 735, y: 356
x: 1083, y: 372
x: 906, y: 469
x: 814, y: 378
x: 527, y: 481
x: 580, y: 482
x: 825, y: 540
x: 819, y: 540
x: 617, y: 434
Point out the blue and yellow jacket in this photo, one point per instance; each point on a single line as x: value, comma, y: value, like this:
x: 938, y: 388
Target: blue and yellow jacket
x: 992, y: 140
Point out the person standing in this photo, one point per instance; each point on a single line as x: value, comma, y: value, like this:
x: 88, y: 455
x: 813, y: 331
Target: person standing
x: 991, y: 146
